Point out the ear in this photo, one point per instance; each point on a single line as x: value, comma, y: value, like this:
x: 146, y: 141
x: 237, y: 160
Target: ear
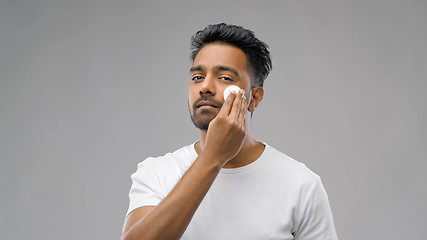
x: 256, y: 98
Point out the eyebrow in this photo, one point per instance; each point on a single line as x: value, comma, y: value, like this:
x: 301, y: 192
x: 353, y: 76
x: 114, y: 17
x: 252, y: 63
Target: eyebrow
x: 229, y: 69
x: 195, y: 68
x: 218, y: 68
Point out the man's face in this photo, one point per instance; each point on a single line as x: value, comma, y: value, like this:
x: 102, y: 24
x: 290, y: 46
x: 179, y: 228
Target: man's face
x: 215, y: 67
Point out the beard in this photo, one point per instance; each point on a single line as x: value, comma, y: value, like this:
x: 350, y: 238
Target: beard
x: 202, y: 118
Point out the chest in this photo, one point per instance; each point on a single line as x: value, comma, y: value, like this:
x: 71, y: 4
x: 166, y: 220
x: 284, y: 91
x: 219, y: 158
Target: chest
x: 245, y: 207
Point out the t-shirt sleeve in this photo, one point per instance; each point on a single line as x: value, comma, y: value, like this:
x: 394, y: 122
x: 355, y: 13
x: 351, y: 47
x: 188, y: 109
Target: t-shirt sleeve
x: 316, y: 220
x: 146, y: 189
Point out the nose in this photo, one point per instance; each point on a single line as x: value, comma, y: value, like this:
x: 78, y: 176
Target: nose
x: 208, y: 86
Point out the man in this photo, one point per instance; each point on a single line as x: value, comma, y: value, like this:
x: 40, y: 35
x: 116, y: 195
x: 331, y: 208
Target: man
x: 227, y: 185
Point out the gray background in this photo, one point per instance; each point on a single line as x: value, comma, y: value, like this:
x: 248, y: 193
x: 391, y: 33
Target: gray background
x: 90, y: 88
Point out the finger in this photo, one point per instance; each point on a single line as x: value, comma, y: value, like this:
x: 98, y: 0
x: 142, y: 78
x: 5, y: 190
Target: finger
x: 226, y: 106
x: 244, y: 126
x: 242, y: 113
x: 234, y: 112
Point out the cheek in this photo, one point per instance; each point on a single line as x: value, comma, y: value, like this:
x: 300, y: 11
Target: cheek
x: 190, y: 104
x: 220, y: 93
x: 192, y: 94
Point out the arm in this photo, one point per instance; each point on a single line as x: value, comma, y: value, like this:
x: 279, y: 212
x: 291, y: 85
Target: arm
x: 170, y: 218
x: 316, y: 217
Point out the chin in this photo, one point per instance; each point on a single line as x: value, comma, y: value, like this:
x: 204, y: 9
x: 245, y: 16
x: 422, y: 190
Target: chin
x: 202, y: 122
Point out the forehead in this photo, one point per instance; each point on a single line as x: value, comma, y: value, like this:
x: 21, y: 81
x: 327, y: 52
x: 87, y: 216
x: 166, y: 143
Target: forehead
x: 219, y: 54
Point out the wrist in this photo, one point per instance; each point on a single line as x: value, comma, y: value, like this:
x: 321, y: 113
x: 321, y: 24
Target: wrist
x: 211, y: 162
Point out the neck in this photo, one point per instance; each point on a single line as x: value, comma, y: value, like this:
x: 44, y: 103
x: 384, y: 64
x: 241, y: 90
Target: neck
x: 250, y: 151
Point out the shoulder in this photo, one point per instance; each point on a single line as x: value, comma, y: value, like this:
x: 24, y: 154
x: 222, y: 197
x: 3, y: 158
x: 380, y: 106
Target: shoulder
x: 287, y: 166
x: 178, y: 161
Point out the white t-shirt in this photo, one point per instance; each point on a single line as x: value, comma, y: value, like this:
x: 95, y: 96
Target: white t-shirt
x: 275, y: 197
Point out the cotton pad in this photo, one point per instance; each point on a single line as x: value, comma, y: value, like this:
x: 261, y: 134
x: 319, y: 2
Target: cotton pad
x: 229, y: 89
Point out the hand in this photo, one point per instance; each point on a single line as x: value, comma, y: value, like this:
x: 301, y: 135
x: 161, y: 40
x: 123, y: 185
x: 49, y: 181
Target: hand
x: 227, y: 131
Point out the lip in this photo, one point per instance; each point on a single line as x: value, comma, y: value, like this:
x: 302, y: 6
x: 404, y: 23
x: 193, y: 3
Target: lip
x: 206, y: 105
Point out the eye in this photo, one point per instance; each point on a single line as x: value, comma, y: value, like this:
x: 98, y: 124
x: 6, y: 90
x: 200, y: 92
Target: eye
x: 225, y: 78
x: 197, y: 78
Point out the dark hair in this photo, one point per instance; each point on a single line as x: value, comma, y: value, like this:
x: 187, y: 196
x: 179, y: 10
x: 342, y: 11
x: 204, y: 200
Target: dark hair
x: 256, y: 51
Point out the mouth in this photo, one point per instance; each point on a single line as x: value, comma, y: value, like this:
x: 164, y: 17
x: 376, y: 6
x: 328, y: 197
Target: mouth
x: 205, y: 104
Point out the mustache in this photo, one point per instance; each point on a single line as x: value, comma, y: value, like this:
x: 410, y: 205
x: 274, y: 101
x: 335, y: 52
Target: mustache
x: 207, y: 98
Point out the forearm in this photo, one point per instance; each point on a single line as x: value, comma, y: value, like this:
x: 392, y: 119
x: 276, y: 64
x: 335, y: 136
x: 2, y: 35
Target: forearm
x: 170, y: 218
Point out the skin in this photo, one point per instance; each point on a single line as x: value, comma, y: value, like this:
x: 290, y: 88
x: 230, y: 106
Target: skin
x: 226, y: 144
